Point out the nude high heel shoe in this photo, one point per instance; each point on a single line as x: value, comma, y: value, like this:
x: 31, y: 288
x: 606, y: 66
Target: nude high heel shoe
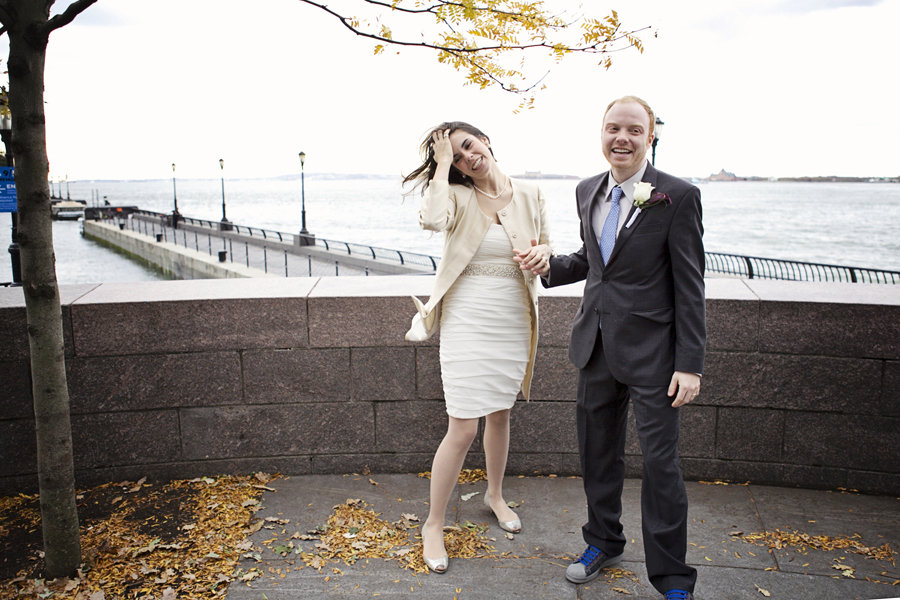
x: 435, y: 565
x: 514, y: 526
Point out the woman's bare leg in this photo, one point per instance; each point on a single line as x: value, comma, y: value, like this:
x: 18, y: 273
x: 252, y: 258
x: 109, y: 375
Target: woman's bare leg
x: 496, y: 450
x: 448, y: 461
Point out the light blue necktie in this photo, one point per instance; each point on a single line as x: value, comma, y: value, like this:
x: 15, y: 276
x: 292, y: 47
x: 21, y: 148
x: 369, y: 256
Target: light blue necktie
x: 608, y: 235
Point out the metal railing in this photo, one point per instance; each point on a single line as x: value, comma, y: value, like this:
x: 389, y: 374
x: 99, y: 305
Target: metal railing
x: 755, y: 267
x: 269, y: 251
x: 737, y: 265
x: 401, y: 257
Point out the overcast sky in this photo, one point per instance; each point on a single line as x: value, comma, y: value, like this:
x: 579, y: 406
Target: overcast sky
x: 757, y: 87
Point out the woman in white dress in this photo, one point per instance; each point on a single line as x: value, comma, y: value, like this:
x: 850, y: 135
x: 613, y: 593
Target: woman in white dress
x: 495, y: 237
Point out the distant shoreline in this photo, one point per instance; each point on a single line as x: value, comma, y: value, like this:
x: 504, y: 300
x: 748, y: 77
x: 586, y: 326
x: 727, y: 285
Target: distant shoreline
x: 718, y: 177
x: 724, y: 175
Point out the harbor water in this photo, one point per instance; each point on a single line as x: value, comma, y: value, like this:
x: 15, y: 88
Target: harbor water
x: 856, y: 224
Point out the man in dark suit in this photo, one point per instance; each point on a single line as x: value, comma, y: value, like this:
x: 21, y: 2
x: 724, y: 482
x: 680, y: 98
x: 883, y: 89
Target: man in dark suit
x: 639, y: 334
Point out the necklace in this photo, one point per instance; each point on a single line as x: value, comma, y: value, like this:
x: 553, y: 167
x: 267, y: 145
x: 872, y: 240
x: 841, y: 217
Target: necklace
x: 500, y: 193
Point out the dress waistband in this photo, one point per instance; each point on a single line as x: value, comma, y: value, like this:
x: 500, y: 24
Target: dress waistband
x: 489, y: 270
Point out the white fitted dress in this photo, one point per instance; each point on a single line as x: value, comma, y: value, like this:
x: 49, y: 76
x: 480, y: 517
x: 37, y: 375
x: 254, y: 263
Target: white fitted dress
x: 485, y: 331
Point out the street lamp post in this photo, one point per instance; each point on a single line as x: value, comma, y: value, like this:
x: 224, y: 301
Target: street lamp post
x: 304, y: 239
x: 225, y: 225
x: 6, y: 136
x: 175, y: 214
x: 657, y: 129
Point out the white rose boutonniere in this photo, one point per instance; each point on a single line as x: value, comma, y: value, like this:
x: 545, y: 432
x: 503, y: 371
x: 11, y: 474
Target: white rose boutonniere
x: 644, y: 198
x: 642, y: 191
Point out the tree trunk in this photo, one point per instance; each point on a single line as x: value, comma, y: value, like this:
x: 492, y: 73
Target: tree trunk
x: 28, y: 36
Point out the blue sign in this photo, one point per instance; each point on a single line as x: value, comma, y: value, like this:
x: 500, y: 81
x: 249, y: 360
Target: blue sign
x: 7, y: 190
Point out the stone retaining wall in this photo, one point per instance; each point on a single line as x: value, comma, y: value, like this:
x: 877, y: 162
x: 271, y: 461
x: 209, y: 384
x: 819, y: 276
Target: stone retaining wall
x: 186, y: 378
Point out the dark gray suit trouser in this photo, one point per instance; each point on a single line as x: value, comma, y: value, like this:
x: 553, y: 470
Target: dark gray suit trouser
x: 602, y: 410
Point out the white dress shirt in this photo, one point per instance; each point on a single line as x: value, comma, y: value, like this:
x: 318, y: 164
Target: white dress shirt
x: 601, y: 209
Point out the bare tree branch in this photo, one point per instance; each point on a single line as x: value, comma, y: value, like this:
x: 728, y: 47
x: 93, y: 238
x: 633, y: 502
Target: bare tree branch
x: 68, y: 15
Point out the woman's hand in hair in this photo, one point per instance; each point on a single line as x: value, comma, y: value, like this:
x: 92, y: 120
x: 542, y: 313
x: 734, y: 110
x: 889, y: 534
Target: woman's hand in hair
x: 443, y: 151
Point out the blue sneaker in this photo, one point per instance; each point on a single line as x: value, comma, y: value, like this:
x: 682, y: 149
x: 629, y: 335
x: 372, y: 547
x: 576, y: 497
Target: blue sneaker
x: 679, y: 595
x: 588, y: 565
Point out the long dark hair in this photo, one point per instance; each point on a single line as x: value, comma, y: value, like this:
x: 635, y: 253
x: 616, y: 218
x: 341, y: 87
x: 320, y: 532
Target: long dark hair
x: 424, y: 173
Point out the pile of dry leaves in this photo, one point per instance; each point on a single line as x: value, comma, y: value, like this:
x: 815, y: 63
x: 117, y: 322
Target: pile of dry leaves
x: 354, y: 531
x: 179, y: 539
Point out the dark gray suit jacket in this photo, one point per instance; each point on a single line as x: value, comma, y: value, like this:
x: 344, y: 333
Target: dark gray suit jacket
x: 650, y: 296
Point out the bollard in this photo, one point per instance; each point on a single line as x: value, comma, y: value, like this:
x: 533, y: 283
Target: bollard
x: 223, y: 254
x: 158, y: 237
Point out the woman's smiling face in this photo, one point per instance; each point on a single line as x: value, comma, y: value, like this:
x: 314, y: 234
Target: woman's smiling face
x: 471, y: 154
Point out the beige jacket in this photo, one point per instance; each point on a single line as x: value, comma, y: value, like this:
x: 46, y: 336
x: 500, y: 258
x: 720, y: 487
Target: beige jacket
x: 453, y: 209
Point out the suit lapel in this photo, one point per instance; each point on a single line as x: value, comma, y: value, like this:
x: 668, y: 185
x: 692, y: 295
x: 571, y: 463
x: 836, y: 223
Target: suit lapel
x: 589, y: 205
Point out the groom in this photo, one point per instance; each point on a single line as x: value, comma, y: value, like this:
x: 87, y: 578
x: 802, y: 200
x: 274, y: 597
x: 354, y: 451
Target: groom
x: 639, y: 334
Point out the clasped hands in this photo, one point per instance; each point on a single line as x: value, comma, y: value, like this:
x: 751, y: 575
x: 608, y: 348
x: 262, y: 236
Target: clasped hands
x: 535, y: 259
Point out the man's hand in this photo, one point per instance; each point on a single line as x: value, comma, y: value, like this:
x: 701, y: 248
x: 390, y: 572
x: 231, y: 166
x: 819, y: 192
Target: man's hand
x: 536, y: 259
x: 687, y: 385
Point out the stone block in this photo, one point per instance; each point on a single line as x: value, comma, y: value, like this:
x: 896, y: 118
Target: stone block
x: 13, y: 321
x: 277, y: 430
x: 537, y: 427
x: 20, y: 484
x: 732, y: 471
x: 383, y: 373
x: 784, y: 381
x: 697, y: 435
x: 191, y: 316
x: 404, y: 427
x: 554, y: 375
x: 814, y: 477
x: 18, y: 447
x: 732, y: 325
x: 413, y: 462
x: 429, y: 385
x: 358, y: 311
x: 830, y: 319
x: 557, y: 309
x: 874, y: 483
x: 634, y: 466
x: 275, y: 376
x: 122, y: 383
x: 342, y: 322
x: 749, y: 434
x: 632, y: 442
x: 13, y: 327
x: 127, y: 438
x: 890, y: 389
x: 15, y: 390
x: 562, y: 464
x: 842, y: 440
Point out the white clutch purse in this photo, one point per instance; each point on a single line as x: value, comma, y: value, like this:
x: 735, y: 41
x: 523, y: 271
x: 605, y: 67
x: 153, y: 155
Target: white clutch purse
x: 424, y: 324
